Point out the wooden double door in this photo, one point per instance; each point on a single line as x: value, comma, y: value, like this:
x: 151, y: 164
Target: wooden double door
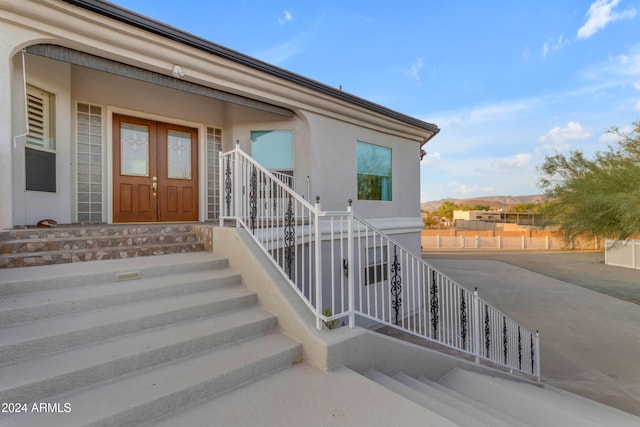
x: 155, y: 171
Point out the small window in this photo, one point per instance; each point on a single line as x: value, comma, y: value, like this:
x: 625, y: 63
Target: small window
x: 40, y: 170
x: 40, y: 154
x: 40, y: 109
x: 374, y: 172
x: 376, y: 269
x: 273, y: 149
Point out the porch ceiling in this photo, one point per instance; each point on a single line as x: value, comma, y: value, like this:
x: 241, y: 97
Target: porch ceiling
x: 87, y: 60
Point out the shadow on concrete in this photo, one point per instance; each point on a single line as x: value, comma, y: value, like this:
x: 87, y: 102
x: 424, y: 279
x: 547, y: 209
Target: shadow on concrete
x: 582, y: 268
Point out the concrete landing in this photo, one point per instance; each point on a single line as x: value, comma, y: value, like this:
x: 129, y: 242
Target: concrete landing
x: 336, y: 398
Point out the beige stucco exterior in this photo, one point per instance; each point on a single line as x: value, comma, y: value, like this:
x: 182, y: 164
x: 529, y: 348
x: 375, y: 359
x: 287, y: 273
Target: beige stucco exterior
x: 477, y: 215
x: 325, y: 124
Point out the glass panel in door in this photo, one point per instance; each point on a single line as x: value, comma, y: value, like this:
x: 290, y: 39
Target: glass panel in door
x: 179, y: 155
x: 134, y: 140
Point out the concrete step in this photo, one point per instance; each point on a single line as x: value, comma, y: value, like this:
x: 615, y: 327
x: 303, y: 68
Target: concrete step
x: 469, y: 398
x: 36, y: 380
x: 450, y: 415
x: 446, y: 402
x: 523, y: 402
x: 465, y: 400
x: 38, y: 338
x: 157, y: 392
x: 304, y: 396
x: 39, y: 305
x: 97, y: 350
x: 49, y: 277
x: 599, y: 411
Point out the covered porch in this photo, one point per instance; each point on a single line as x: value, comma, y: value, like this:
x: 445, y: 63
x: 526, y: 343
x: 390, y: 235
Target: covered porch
x: 106, y: 142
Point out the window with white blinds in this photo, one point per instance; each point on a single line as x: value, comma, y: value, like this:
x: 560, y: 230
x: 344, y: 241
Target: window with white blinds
x: 40, y: 112
x: 40, y: 155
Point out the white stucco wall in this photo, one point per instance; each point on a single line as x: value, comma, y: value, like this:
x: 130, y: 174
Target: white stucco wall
x: 334, y: 149
x: 72, y: 84
x: 12, y: 118
x: 334, y: 176
x: 140, y: 98
x: 244, y: 120
x: 10, y: 126
x: 31, y: 206
x: 325, y: 127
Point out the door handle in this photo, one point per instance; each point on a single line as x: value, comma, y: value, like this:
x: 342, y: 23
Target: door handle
x: 155, y: 188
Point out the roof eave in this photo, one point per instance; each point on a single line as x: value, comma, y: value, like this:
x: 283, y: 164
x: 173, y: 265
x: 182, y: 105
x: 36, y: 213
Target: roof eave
x: 142, y: 22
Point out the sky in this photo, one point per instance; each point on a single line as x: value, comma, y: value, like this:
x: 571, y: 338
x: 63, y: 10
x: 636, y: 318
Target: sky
x: 507, y: 82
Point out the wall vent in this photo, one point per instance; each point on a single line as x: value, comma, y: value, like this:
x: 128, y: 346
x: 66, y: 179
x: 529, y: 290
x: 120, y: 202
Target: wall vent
x: 129, y: 275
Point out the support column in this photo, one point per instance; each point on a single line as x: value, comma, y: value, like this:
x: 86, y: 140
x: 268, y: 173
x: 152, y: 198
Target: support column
x: 350, y: 264
x: 477, y: 322
x: 9, y: 126
x: 318, y: 260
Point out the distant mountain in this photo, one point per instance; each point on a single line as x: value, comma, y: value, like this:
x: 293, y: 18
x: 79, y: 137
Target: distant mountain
x: 495, y: 202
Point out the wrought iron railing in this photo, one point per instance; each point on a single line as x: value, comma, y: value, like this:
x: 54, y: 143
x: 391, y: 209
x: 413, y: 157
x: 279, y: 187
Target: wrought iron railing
x: 278, y: 218
x: 347, y: 271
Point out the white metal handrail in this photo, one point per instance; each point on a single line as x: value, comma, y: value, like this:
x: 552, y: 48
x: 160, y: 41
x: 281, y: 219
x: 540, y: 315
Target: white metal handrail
x: 301, y: 186
x: 395, y: 287
x: 343, y: 268
x: 281, y: 221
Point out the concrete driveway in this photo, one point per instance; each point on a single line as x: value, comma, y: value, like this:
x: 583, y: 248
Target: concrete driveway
x: 590, y: 341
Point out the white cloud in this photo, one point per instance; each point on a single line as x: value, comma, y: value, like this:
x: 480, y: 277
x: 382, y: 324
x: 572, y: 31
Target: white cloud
x: 414, y: 69
x: 279, y: 54
x: 628, y: 64
x: 611, y: 138
x: 554, y: 45
x: 515, y: 162
x: 297, y: 44
x: 490, y: 113
x: 558, y: 139
x: 637, y: 107
x: 623, y: 65
x: 608, y: 138
x: 490, y: 189
x: 459, y: 187
x: 464, y: 177
x: 600, y: 14
x: 432, y: 158
x: 619, y: 73
x: 287, y: 16
x: 596, y: 79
